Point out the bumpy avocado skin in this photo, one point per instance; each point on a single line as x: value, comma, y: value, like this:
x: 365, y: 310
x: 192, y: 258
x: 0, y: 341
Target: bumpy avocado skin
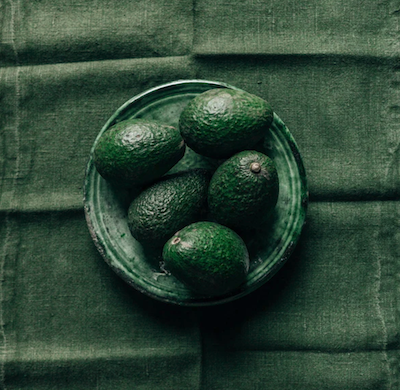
x: 167, y: 206
x: 209, y: 258
x: 240, y: 198
x: 136, y: 152
x: 221, y: 122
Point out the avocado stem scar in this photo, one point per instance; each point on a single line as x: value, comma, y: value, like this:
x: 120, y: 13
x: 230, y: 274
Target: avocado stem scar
x: 255, y: 167
x: 176, y: 240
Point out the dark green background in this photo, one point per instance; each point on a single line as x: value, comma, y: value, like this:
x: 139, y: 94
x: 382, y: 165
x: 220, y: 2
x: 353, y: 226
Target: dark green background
x: 328, y: 320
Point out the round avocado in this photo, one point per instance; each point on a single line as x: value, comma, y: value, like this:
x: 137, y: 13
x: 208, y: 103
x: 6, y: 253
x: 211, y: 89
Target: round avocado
x: 221, y: 122
x: 244, y: 190
x: 136, y: 152
x: 167, y: 206
x: 207, y: 257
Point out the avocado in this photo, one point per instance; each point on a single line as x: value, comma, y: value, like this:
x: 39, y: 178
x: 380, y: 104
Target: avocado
x: 221, y: 122
x: 136, y: 152
x: 207, y: 257
x: 244, y: 190
x: 168, y: 205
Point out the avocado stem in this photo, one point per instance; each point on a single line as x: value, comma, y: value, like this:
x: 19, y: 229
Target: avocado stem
x: 255, y: 167
x: 176, y: 240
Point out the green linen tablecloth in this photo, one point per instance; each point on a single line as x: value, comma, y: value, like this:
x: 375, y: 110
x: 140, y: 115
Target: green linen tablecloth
x: 328, y: 320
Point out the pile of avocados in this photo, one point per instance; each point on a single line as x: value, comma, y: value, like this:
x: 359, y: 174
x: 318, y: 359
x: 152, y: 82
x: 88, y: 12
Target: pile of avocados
x: 196, y: 219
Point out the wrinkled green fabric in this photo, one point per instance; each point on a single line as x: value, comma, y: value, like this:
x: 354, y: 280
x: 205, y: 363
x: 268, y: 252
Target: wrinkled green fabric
x: 328, y: 320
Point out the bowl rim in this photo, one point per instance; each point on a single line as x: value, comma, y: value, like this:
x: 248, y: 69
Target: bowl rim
x: 205, y: 301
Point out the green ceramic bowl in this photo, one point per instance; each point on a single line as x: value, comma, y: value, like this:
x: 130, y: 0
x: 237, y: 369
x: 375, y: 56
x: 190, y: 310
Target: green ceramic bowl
x: 106, y: 207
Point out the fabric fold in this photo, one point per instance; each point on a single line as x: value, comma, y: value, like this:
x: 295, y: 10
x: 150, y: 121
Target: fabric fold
x: 51, y: 115
x: 53, y: 32
x: 283, y: 27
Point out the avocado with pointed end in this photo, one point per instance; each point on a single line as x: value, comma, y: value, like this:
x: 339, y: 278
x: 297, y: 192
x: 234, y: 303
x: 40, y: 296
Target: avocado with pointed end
x: 167, y: 206
x: 135, y: 152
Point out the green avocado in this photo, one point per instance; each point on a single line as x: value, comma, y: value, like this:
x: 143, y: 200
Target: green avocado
x: 244, y: 190
x: 167, y: 206
x: 208, y: 258
x: 136, y: 152
x: 221, y: 122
